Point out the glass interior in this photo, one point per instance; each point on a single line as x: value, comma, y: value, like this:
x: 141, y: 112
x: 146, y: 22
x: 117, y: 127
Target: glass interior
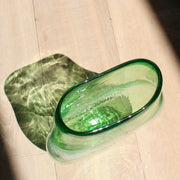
x: 109, y: 97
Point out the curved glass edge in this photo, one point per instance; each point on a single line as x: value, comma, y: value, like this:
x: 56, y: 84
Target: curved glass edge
x: 66, y: 148
x: 61, y: 125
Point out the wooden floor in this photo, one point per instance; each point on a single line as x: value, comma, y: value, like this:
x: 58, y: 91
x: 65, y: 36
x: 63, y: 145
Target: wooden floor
x: 97, y: 35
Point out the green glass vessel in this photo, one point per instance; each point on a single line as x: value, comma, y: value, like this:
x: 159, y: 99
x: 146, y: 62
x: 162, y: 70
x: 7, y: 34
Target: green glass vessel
x: 100, y: 109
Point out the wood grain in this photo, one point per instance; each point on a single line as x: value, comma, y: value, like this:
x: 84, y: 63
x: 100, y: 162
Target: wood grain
x: 158, y: 140
x: 33, y: 167
x: 83, y: 31
x: 18, y: 48
x: 80, y: 29
x: 119, y: 161
x: 97, y: 35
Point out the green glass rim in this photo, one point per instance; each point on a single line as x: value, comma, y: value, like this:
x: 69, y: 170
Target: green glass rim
x: 58, y: 119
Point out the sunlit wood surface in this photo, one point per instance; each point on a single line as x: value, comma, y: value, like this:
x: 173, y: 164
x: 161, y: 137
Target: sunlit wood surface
x: 96, y: 34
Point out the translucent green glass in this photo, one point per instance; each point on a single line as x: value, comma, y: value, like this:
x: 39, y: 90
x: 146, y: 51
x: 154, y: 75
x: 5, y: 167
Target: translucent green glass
x: 104, y: 107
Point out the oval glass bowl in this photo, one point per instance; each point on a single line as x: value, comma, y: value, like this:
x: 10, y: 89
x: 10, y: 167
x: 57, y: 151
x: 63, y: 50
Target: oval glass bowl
x: 104, y: 107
